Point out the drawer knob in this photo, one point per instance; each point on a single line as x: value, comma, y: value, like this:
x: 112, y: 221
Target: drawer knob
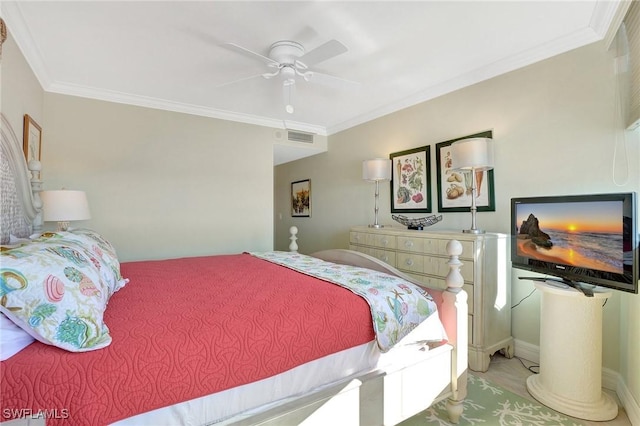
x: 409, y: 262
x: 385, y: 258
x: 385, y: 241
x: 408, y: 243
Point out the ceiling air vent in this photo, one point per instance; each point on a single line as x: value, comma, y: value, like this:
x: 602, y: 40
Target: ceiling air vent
x: 300, y: 137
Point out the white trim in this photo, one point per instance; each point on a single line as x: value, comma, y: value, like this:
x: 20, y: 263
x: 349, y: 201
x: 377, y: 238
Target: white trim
x: 22, y: 36
x: 564, y: 44
x: 527, y: 351
x: 602, y: 16
x: 631, y: 406
x: 616, y: 20
x: 162, y: 104
x: 536, y: 54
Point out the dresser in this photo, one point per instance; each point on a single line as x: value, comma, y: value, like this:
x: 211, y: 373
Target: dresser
x: 422, y: 256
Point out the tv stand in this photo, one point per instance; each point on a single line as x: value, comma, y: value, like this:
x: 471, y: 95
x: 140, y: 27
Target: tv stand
x: 587, y: 291
x: 570, y: 378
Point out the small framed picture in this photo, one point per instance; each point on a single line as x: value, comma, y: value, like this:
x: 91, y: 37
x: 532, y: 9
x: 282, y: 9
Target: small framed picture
x: 411, y: 181
x: 301, y: 198
x: 454, y: 187
x: 32, y: 139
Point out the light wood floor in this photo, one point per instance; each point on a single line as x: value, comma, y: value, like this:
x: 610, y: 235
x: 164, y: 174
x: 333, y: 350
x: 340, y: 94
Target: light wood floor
x: 512, y: 375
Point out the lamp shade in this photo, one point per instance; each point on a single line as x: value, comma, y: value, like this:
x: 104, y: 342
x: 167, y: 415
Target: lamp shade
x: 64, y: 206
x: 473, y: 153
x: 376, y: 169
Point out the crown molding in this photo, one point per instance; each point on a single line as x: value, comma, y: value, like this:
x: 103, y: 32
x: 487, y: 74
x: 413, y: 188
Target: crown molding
x: 531, y: 56
x: 19, y: 30
x: 163, y: 104
x: 605, y: 15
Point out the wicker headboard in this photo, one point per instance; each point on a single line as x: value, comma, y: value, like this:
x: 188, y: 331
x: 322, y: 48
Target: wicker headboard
x: 20, y: 208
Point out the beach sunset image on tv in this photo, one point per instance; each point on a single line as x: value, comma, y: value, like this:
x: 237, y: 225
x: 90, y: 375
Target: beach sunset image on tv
x: 587, y: 234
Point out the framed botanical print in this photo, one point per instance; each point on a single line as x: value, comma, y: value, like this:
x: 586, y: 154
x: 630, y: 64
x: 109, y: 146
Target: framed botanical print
x: 411, y: 181
x: 301, y: 198
x: 454, y: 186
x: 32, y: 139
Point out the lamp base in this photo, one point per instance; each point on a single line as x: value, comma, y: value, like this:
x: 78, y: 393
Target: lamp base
x: 376, y: 225
x: 473, y: 231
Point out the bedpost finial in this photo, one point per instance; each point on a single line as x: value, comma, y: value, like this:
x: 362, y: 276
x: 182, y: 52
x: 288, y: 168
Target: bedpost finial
x: 293, y: 247
x: 34, y: 166
x: 454, y: 279
x: 454, y: 248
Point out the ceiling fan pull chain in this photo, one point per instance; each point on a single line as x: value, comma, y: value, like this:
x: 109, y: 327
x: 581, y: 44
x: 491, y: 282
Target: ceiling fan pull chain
x: 289, y: 86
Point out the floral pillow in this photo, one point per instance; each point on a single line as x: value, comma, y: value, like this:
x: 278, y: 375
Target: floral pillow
x: 57, y: 287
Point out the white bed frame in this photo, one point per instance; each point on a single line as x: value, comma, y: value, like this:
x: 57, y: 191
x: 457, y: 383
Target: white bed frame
x: 387, y: 397
x: 380, y: 397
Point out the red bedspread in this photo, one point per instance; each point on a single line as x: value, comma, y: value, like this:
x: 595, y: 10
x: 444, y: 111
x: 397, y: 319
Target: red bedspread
x: 186, y: 328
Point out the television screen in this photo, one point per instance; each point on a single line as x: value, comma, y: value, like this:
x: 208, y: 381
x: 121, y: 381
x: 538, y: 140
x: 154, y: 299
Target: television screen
x: 589, y: 239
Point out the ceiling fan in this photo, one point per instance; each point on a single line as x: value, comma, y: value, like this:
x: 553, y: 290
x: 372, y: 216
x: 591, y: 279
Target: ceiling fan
x: 289, y: 60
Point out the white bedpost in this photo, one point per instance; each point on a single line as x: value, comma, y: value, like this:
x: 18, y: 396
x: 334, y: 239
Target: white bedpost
x: 36, y: 188
x: 455, y: 309
x: 293, y: 247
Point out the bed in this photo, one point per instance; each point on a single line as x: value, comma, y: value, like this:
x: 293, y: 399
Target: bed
x: 276, y: 338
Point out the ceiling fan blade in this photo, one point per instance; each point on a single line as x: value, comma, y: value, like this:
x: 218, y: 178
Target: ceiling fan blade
x: 249, y: 53
x: 229, y: 83
x: 323, y: 52
x: 330, y: 80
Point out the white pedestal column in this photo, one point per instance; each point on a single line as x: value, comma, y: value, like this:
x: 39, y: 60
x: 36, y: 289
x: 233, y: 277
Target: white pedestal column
x: 570, y: 379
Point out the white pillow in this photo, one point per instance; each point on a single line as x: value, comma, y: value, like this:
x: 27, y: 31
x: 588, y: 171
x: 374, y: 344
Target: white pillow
x: 13, y: 339
x: 59, y: 285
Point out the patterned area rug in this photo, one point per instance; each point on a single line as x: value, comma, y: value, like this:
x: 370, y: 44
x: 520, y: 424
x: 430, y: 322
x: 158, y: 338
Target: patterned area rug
x: 488, y: 404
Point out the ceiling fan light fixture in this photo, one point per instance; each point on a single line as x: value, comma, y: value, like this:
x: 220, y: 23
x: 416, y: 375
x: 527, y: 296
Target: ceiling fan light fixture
x: 289, y: 86
x: 291, y: 60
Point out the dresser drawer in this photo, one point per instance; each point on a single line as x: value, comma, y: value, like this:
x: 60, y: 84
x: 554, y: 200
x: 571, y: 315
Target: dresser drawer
x: 439, y: 247
x: 363, y: 238
x: 411, y: 244
x: 467, y: 249
x: 388, y: 257
x: 436, y: 266
x: 385, y: 241
x: 357, y: 237
x: 439, y: 266
x: 410, y: 262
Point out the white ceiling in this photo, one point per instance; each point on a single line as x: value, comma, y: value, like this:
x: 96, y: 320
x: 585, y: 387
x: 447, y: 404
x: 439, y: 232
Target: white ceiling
x: 168, y: 54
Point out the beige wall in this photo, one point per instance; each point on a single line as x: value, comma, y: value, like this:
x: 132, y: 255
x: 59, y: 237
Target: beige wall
x: 162, y: 184
x: 20, y: 92
x: 159, y: 184
x: 554, y: 130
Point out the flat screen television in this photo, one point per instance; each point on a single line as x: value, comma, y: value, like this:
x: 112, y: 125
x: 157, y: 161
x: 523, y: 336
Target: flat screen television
x: 578, y: 239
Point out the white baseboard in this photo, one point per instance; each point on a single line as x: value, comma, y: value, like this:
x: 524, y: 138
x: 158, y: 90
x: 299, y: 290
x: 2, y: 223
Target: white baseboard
x: 527, y: 351
x: 611, y: 380
x: 629, y: 403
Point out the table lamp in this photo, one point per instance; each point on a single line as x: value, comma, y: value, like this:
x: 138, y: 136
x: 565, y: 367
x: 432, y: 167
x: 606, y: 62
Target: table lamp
x: 64, y: 206
x: 376, y: 170
x: 474, y: 155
